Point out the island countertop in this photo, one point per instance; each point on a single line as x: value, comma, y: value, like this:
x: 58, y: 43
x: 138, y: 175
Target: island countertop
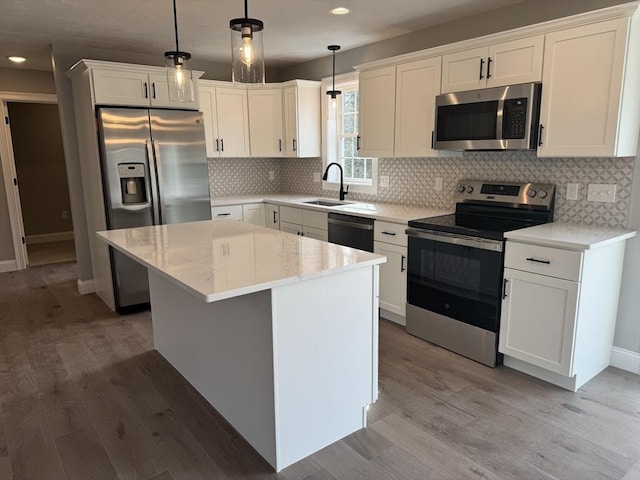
x: 218, y: 259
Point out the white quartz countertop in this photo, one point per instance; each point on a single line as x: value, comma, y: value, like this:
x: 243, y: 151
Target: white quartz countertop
x: 218, y: 259
x: 569, y: 235
x: 387, y: 212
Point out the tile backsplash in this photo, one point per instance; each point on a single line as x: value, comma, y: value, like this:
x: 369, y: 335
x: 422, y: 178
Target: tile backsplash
x: 412, y: 180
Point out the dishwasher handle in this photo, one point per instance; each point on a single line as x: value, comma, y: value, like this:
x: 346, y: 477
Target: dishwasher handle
x: 347, y: 223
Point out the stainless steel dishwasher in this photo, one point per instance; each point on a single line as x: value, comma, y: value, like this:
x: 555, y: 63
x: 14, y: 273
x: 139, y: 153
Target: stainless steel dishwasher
x: 351, y: 231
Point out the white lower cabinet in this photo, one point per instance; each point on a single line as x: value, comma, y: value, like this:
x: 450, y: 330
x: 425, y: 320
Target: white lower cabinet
x: 307, y: 223
x: 234, y: 212
x: 272, y: 216
x: 559, y: 310
x: 254, y: 213
x: 390, y: 240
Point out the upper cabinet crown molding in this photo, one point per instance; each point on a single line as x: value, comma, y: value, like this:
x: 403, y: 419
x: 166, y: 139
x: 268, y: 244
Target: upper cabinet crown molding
x: 609, y: 13
x: 85, y: 64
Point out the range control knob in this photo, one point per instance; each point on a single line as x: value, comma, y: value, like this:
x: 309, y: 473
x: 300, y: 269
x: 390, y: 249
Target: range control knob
x: 461, y: 188
x: 542, y: 194
x: 532, y: 193
x: 469, y: 189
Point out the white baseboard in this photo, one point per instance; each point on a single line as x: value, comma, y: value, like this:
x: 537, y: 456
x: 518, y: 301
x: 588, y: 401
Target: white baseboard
x: 394, y: 317
x: 8, y: 266
x: 86, y: 286
x: 625, y: 360
x: 49, y: 237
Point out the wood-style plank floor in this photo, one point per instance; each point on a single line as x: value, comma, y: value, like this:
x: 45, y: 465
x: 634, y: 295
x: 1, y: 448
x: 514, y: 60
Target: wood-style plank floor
x: 83, y: 395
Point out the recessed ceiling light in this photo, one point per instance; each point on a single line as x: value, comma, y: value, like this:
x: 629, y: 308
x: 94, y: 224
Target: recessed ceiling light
x: 340, y: 11
x: 17, y: 59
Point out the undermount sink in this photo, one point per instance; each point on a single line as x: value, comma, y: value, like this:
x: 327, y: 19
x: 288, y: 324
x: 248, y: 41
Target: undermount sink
x: 326, y: 203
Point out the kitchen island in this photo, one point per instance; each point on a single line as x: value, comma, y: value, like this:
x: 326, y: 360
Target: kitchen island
x: 279, y: 333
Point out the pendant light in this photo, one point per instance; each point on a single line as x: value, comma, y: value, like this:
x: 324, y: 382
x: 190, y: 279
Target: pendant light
x: 247, y: 53
x: 178, y: 66
x: 333, y: 93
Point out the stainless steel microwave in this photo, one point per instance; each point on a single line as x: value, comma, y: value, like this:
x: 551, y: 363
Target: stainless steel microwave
x: 500, y: 118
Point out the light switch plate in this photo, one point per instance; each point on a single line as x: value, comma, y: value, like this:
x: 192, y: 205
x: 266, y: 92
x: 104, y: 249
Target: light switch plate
x: 601, y: 192
x: 384, y: 181
x: 438, y: 184
x: 316, y: 177
x: 572, y: 191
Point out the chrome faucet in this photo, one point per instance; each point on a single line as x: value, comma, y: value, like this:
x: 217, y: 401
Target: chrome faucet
x: 343, y: 192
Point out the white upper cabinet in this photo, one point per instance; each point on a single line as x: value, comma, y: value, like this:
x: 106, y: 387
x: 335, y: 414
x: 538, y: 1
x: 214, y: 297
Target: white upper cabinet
x: 377, y: 92
x: 302, y: 119
x: 507, y: 63
x: 590, y: 101
x: 417, y: 84
x: 266, y: 122
x: 115, y: 84
x: 226, y: 119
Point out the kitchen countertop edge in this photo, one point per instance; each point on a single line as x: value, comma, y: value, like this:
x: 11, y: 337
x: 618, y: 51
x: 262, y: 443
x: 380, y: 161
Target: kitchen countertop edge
x: 571, y: 236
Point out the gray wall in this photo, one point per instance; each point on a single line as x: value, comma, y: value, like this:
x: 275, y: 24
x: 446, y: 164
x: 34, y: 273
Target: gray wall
x: 18, y: 81
x: 40, y: 167
x: 518, y: 15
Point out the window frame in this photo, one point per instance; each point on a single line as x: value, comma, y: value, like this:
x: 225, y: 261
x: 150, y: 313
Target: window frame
x: 330, y: 137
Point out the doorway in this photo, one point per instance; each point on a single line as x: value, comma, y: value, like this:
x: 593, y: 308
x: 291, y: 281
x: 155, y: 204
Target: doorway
x: 42, y: 181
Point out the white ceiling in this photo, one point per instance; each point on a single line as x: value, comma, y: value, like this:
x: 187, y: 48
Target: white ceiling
x: 295, y: 30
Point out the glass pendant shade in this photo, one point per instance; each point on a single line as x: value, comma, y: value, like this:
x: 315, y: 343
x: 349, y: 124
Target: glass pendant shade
x: 179, y: 76
x: 247, y: 51
x: 178, y: 67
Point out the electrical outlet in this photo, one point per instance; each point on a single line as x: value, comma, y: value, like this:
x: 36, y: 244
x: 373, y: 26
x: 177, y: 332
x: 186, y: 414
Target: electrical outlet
x: 572, y: 191
x: 316, y: 177
x: 438, y: 184
x: 601, y: 192
x: 272, y: 175
x: 384, y: 181
x: 64, y: 214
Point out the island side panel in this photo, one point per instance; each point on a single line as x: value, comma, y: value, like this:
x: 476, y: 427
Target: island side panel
x: 224, y: 349
x: 325, y: 358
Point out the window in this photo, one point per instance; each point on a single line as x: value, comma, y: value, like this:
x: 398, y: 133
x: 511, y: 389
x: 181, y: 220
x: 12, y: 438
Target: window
x: 341, y: 138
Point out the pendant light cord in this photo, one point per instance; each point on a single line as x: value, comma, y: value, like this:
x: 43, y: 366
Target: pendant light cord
x: 175, y: 24
x: 334, y: 70
x: 246, y: 9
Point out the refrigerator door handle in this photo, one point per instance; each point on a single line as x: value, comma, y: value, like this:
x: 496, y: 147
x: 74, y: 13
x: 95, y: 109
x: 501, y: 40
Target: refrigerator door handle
x: 156, y: 156
x: 153, y: 184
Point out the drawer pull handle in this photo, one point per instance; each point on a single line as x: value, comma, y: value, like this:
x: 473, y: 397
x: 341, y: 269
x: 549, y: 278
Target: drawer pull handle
x: 393, y: 234
x: 538, y: 261
x: 223, y: 214
x: 504, y: 288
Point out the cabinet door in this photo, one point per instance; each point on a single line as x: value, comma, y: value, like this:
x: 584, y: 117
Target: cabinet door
x: 291, y: 121
x: 265, y: 122
x: 233, y: 122
x: 316, y: 233
x: 417, y: 84
x: 291, y: 215
x: 519, y: 61
x: 159, y: 93
x: 253, y: 213
x: 466, y: 70
x: 208, y: 108
x: 293, y: 228
x: 272, y: 216
x: 393, y: 277
x: 114, y: 87
x: 582, y: 86
x: 538, y: 320
x: 377, y: 91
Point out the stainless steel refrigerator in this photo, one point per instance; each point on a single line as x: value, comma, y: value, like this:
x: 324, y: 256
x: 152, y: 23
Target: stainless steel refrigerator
x: 154, y: 172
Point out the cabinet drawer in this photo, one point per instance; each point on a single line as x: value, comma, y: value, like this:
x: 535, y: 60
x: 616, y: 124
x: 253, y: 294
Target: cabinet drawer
x: 393, y: 233
x: 550, y: 261
x: 291, y: 215
x: 233, y: 212
x: 314, y: 219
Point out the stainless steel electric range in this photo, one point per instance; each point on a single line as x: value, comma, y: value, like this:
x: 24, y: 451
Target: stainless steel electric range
x: 455, y: 264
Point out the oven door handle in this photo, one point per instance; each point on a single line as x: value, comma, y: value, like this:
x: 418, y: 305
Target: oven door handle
x: 462, y: 240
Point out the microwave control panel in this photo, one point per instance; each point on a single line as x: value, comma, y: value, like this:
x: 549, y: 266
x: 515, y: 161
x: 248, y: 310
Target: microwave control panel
x: 514, y: 118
